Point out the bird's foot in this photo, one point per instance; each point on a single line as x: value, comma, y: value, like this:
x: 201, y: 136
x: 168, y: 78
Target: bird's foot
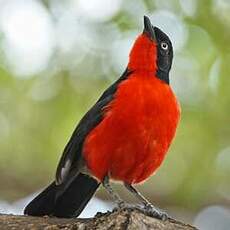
x: 150, y: 210
x: 125, y: 206
x: 147, y: 209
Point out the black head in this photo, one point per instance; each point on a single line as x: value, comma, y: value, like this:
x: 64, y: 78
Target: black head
x: 164, y: 49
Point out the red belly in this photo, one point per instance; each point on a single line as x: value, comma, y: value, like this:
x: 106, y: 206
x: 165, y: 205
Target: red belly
x: 138, y: 127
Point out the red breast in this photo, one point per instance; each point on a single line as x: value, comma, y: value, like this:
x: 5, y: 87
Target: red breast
x: 133, y: 138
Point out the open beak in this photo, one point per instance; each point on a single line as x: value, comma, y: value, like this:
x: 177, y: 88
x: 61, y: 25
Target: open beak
x: 148, y: 29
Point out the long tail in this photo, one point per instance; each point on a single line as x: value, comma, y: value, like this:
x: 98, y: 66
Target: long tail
x: 68, y: 202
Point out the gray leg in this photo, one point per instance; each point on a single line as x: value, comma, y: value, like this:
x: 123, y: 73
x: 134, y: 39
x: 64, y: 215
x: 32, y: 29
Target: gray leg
x: 137, y: 194
x: 112, y: 193
x: 150, y: 209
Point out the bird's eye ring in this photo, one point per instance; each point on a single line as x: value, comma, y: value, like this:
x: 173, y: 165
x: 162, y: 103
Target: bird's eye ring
x: 164, y: 45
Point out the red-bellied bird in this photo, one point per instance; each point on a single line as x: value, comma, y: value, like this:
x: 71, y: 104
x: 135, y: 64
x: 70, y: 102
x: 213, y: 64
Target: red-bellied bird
x: 124, y: 136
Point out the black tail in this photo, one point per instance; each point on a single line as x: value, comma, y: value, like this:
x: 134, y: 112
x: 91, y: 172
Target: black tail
x: 67, y: 202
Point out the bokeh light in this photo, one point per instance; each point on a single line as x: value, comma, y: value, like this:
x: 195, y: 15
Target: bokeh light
x: 98, y: 10
x: 28, y: 36
x: 212, y: 218
x: 57, y: 57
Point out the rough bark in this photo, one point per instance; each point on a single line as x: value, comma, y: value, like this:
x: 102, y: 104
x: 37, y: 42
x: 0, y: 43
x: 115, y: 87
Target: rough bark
x: 125, y: 219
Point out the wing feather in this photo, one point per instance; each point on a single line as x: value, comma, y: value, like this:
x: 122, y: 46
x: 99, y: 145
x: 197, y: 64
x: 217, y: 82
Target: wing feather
x: 72, y: 159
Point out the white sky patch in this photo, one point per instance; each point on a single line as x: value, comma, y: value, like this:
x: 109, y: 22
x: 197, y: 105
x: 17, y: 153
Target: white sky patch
x: 120, y: 50
x: 98, y: 10
x: 71, y: 29
x: 172, y: 25
x: 137, y: 11
x: 73, y: 39
x: 185, y: 79
x: 213, y: 218
x: 166, y: 5
x: 28, y: 36
x: 188, y: 7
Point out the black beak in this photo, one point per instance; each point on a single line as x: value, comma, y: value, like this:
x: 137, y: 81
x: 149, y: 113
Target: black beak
x: 148, y: 29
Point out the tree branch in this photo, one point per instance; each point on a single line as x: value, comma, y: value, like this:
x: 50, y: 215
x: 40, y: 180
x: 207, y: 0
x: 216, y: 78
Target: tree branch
x: 125, y: 219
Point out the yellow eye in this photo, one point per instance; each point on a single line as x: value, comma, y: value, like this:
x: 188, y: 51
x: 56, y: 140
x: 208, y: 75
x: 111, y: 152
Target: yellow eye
x: 164, y: 46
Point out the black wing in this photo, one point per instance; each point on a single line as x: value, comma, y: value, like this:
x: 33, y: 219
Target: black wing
x: 72, y: 158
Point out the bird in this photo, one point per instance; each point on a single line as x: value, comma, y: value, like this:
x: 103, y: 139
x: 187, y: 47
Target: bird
x: 124, y: 136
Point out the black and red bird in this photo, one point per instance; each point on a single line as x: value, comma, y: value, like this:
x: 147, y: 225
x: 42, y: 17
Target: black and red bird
x: 123, y: 137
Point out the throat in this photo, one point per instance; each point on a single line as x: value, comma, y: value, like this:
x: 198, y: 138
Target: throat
x: 143, y: 55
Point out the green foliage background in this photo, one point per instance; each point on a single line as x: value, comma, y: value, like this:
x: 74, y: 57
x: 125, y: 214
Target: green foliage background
x: 196, y: 172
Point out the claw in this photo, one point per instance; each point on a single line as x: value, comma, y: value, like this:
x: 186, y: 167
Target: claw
x: 126, y: 206
x: 122, y: 204
x: 148, y: 209
x: 152, y: 211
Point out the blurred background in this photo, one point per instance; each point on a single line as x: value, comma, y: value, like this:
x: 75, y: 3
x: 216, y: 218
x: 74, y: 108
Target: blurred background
x: 57, y: 57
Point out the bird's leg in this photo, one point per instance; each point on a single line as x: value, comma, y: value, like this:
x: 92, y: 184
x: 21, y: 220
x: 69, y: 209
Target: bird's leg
x: 148, y: 207
x: 121, y: 204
